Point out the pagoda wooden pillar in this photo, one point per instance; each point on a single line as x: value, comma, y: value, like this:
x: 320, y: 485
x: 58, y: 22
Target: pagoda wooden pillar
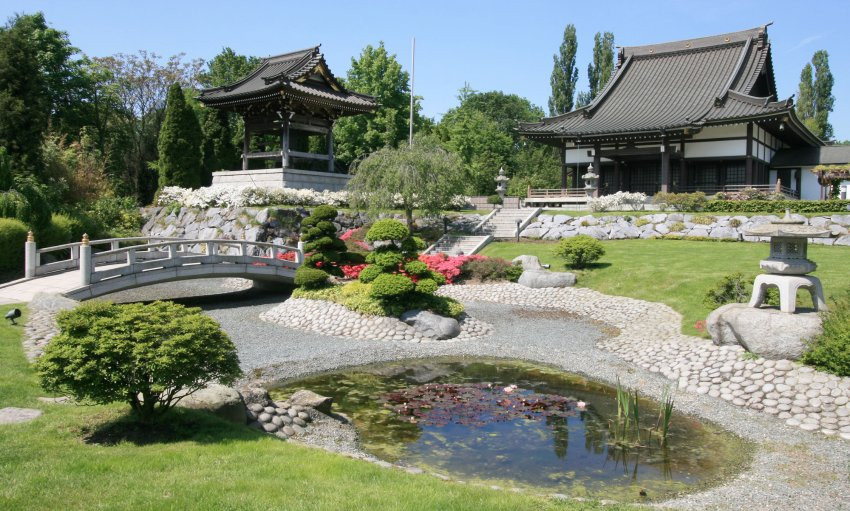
x: 665, y: 167
x: 284, y: 141
x: 749, y: 165
x: 246, y: 144
x: 331, y: 148
x: 562, y: 154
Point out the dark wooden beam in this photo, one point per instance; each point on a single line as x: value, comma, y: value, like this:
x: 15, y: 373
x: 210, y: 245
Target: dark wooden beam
x: 665, y: 167
x: 749, y: 172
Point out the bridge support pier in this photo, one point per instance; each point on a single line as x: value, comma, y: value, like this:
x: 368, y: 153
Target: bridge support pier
x: 30, y: 257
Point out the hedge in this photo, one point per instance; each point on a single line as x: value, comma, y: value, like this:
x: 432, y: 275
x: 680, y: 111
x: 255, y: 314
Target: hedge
x: 13, y: 235
x: 777, y: 206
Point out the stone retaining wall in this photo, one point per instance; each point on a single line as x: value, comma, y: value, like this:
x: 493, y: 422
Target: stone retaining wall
x: 725, y: 227
x: 275, y: 225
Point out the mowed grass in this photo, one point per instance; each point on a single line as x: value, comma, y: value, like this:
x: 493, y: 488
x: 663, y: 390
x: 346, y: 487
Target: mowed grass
x: 678, y: 273
x: 204, y: 464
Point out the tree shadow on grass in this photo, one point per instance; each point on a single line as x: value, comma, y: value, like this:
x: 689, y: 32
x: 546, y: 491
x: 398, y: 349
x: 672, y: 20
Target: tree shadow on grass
x: 177, y: 425
x: 588, y: 267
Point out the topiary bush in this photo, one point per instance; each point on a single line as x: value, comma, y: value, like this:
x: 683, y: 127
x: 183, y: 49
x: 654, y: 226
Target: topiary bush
x: 149, y: 355
x: 318, y: 233
x: 370, y: 273
x: 310, y: 278
x: 388, y: 230
x: 830, y: 351
x: 13, y: 235
x: 388, y: 286
x: 581, y: 250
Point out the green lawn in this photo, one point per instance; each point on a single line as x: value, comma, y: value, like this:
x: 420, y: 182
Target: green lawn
x: 645, y: 212
x: 205, y: 464
x: 678, y: 273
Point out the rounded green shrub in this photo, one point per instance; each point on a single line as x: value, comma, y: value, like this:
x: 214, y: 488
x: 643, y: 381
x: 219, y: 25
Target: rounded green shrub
x: 320, y: 240
x: 324, y: 212
x: 388, y: 286
x: 416, y: 268
x: 387, y: 230
x: 830, y: 351
x: 60, y: 231
x: 369, y: 273
x: 581, y: 250
x: 388, y: 259
x: 310, y: 278
x: 136, y: 353
x: 412, y: 245
x: 427, y: 286
x: 13, y: 235
x: 494, y: 199
x: 677, y: 227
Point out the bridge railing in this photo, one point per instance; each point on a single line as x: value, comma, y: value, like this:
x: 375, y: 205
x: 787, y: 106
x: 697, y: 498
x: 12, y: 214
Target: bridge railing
x: 67, y: 256
x: 186, y: 253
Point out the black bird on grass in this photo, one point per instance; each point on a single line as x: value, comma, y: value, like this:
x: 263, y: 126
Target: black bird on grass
x: 13, y: 314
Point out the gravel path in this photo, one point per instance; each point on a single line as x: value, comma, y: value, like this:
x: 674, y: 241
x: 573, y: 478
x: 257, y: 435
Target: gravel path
x: 791, y: 469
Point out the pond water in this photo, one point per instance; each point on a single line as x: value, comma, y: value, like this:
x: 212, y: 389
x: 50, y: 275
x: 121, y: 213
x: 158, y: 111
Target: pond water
x: 517, y: 424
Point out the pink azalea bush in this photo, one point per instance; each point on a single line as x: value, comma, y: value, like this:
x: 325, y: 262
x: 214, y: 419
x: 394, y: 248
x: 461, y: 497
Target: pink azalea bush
x: 448, y: 266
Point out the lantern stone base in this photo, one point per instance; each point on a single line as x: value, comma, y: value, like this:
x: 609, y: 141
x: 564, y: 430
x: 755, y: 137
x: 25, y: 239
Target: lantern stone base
x: 788, y: 286
x: 788, y: 266
x: 767, y: 332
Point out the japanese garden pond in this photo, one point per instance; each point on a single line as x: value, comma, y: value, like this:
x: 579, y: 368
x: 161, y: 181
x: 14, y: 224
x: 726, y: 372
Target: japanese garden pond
x: 521, y: 425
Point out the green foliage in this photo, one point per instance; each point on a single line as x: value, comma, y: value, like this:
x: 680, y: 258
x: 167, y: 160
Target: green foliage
x: 13, y: 235
x: 581, y: 250
x: 680, y: 201
x: 422, y: 176
x: 815, y: 100
x: 564, y: 74
x: 219, y: 152
x: 830, y: 351
x: 387, y: 230
x: 227, y: 67
x: 677, y: 227
x: 386, y: 258
x: 641, y: 222
x: 703, y: 219
x: 148, y: 354
x: 319, y: 236
x: 60, y: 231
x: 388, y: 286
x: 777, y: 206
x: 732, y: 288
x: 180, y: 160
x: 734, y: 223
x: 113, y: 216
x: 489, y: 269
x: 602, y: 67
x: 416, y: 268
x: 494, y: 199
x: 310, y: 278
x: 370, y: 273
x: 427, y: 286
x: 357, y: 296
x: 480, y: 144
x: 378, y: 74
x: 27, y: 201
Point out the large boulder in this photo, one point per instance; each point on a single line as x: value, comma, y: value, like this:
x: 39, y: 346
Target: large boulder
x: 537, y: 279
x: 218, y: 399
x: 432, y: 325
x: 767, y: 332
x: 310, y: 399
x: 528, y: 262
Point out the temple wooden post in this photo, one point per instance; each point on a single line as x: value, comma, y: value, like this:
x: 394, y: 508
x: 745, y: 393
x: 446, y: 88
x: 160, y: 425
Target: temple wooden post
x: 284, y: 141
x: 597, y: 167
x: 331, y: 148
x: 246, y: 144
x: 749, y: 172
x: 683, y: 169
x: 563, y: 156
x: 665, y: 167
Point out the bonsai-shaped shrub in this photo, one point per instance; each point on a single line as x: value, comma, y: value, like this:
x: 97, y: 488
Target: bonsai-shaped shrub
x: 326, y: 250
x: 150, y: 355
x: 394, y: 270
x: 581, y: 250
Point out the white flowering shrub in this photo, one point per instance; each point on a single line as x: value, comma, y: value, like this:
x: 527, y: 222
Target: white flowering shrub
x: 617, y: 201
x: 229, y: 196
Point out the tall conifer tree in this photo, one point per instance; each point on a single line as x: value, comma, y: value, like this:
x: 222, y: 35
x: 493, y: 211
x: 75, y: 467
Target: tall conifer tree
x: 179, y: 144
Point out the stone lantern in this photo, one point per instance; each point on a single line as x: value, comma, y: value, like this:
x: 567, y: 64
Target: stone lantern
x: 502, y: 183
x: 591, y: 179
x: 788, y: 265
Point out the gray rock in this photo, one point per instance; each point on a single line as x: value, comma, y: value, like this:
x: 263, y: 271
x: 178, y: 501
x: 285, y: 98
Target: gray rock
x: 219, y: 400
x: 621, y: 231
x: 310, y: 399
x: 662, y: 228
x: 767, y: 332
x: 724, y: 233
x: 270, y: 428
x: 596, y: 232
x: 12, y: 415
x: 844, y: 240
x: 431, y: 325
x: 528, y: 262
x: 534, y: 232
x: 255, y: 395
x: 537, y: 279
x: 841, y: 219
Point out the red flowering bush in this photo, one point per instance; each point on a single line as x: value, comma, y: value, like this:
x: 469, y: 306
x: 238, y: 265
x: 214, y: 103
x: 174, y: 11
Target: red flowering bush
x: 286, y: 256
x: 448, y: 266
x: 352, y: 271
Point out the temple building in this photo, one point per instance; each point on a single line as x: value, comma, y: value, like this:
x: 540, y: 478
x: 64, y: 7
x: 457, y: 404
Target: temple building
x: 289, y: 104
x: 700, y: 114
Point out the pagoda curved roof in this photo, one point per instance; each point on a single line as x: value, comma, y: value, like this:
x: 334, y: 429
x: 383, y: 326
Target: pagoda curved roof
x: 671, y: 86
x: 302, y: 75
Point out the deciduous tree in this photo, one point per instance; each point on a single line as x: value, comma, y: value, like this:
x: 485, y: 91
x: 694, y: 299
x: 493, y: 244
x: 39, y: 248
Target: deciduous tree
x: 814, y: 97
x: 564, y: 74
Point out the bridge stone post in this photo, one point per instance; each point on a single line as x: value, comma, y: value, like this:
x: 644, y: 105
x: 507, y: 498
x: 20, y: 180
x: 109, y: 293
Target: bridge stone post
x: 85, y: 261
x: 299, y: 255
x: 30, y: 256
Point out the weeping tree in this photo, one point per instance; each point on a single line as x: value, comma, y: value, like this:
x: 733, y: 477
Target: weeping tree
x: 423, y: 176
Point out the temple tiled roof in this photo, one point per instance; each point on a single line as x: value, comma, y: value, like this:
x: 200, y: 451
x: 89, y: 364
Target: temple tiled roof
x: 289, y: 74
x: 811, y: 156
x: 677, y: 85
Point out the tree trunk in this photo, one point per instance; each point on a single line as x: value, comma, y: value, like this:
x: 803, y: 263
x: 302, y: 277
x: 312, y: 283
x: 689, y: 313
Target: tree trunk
x: 408, y: 213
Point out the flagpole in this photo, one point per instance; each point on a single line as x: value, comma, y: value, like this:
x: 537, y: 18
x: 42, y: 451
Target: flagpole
x: 412, y: 78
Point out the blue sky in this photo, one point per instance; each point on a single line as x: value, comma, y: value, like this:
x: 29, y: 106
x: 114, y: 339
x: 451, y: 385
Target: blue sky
x: 493, y: 45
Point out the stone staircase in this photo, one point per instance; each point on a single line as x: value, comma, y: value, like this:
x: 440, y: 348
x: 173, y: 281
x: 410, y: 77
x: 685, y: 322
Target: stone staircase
x: 457, y: 244
x: 501, y: 224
